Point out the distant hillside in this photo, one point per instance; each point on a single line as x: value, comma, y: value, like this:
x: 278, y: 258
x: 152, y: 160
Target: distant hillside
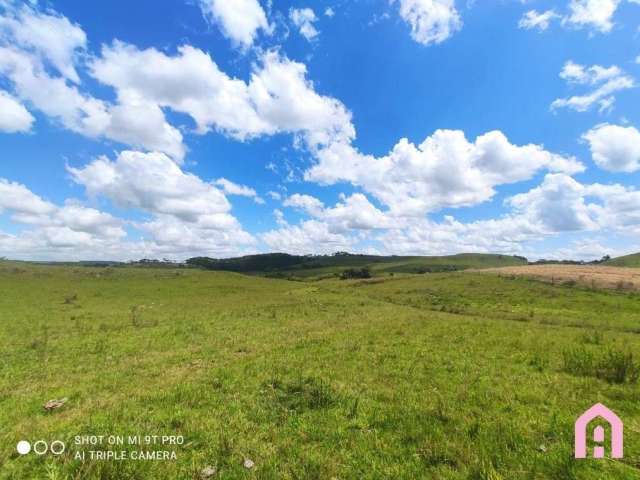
x: 285, y: 265
x: 626, y: 261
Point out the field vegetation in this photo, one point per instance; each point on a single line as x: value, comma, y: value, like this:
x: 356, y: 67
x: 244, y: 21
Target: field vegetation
x: 455, y: 375
x: 626, y: 261
x: 313, y: 267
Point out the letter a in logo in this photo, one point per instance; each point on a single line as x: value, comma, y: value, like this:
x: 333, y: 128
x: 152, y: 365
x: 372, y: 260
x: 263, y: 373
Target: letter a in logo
x: 598, y: 411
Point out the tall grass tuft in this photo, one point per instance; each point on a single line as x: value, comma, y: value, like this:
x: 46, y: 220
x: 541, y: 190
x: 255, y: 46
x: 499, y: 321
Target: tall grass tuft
x: 614, y: 366
x: 310, y: 393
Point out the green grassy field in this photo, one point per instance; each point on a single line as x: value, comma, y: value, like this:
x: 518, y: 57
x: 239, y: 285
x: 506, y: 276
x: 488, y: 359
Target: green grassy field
x: 437, y: 376
x: 626, y: 261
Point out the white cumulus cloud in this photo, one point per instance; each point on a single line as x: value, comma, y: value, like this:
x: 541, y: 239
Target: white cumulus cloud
x: 231, y: 188
x: 311, y: 236
x: 354, y: 212
x: 558, y: 206
x: 14, y: 117
x: 239, y: 20
x: 431, y: 21
x: 303, y: 19
x: 615, y: 148
x: 597, y: 14
x: 54, y: 231
x: 445, y: 170
x: 538, y: 20
x: 30, y: 63
x: 188, y: 214
x: 52, y: 37
x: 154, y: 183
x: 277, y: 99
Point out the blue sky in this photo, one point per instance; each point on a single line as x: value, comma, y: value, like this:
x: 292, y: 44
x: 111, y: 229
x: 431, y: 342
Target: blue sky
x: 210, y: 127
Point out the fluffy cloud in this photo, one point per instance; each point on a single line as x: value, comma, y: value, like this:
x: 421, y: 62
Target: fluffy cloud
x: 51, y: 228
x: 579, y: 74
x: 540, y: 20
x: 306, y: 203
x: 274, y: 195
x: 311, y: 236
x: 152, y: 182
x: 596, y: 14
x: 53, y: 38
x: 586, y: 249
x: 559, y: 205
x: 592, y: 14
x: 446, y: 170
x: 240, y: 20
x: 426, y: 237
x: 183, y: 239
x: 277, y: 99
x: 303, y: 19
x: 605, y: 81
x: 331, y: 229
x: 615, y: 148
x: 27, y: 61
x: 620, y: 206
x: 188, y: 214
x: 351, y: 213
x: 431, y: 21
x: 231, y: 188
x: 13, y: 116
x: 20, y: 200
x: 356, y: 212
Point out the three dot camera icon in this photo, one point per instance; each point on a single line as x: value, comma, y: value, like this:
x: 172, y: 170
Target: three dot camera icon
x: 41, y: 447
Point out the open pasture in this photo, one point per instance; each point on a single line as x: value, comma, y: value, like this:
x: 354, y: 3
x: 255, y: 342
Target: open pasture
x: 463, y: 376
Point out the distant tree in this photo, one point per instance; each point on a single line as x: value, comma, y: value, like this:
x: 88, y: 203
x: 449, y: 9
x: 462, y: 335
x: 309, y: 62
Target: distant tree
x: 268, y: 262
x: 351, y: 273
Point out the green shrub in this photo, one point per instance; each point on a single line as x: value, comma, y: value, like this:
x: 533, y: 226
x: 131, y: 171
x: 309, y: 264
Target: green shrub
x: 350, y: 273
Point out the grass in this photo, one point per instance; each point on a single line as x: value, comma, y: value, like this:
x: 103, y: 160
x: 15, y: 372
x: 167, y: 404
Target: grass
x: 615, y: 366
x: 626, y: 261
x: 444, y: 376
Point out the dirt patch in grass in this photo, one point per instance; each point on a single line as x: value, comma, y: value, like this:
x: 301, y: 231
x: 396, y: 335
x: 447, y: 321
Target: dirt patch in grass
x: 618, y: 278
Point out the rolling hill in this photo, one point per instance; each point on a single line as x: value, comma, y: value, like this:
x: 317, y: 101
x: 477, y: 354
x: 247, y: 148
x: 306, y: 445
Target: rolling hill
x: 632, y: 260
x: 285, y: 265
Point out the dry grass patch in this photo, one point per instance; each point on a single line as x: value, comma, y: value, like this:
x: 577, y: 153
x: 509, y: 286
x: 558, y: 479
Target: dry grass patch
x: 619, y: 278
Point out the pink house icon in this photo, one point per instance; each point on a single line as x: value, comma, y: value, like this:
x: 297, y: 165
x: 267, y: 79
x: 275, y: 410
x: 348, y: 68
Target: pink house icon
x: 598, y: 410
